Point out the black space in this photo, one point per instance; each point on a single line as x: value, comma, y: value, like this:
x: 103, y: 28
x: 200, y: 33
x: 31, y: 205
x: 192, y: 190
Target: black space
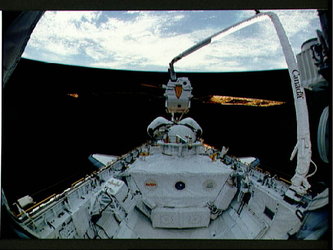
x: 48, y: 135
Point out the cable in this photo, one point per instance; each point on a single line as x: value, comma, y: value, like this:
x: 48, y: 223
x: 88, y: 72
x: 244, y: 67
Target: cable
x: 309, y: 175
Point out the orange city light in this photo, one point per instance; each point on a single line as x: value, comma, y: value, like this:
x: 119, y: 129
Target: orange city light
x: 74, y: 95
x: 244, y: 101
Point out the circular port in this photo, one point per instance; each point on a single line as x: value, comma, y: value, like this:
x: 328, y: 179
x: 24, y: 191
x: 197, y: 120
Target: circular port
x: 180, y: 185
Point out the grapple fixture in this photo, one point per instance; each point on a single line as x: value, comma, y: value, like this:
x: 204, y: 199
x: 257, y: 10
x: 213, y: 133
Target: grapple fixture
x: 178, y: 96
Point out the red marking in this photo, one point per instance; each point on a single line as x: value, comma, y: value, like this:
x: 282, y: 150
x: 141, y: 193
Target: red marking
x: 151, y: 184
x: 178, y: 90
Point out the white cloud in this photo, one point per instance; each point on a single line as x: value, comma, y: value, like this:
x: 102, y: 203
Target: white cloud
x: 299, y: 25
x: 144, y: 41
x: 259, y: 49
